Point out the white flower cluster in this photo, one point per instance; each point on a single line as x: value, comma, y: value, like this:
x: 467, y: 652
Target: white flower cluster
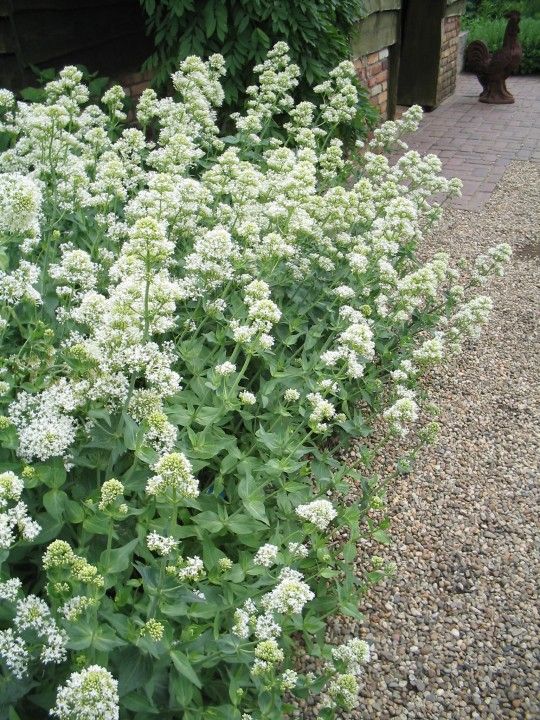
x: 277, y: 77
x: 290, y: 594
x: 190, y: 569
x: 402, y: 413
x: 468, y: 320
x: 322, y: 412
x: 14, y: 519
x: 354, y: 345
x: 348, y: 661
x: 160, y: 544
x: 288, y: 597
x: 91, y: 694
x: 340, y: 94
x: 174, y: 477
x: 34, y: 632
x: 43, y: 421
x: 319, y: 512
x: 20, y: 206
x: 266, y: 555
x: 493, y: 262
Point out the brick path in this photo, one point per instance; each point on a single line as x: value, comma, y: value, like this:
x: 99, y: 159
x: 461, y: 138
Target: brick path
x: 475, y: 141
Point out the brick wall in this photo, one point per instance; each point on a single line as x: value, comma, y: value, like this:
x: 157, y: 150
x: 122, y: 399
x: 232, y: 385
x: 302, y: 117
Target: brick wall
x: 134, y: 83
x: 372, y: 70
x: 449, y: 57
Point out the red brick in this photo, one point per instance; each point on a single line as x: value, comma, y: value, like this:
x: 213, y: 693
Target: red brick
x: 138, y: 88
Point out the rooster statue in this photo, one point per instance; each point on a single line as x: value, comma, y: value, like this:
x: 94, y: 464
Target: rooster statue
x: 493, y: 69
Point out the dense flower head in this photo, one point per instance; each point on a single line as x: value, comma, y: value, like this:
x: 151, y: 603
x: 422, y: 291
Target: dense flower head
x: 289, y: 595
x: 20, y: 205
x: 91, y: 694
x: 266, y: 555
x: 173, y: 475
x: 319, y: 512
x: 160, y: 545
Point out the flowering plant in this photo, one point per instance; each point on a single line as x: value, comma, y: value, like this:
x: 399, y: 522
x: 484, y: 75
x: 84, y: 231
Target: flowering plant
x: 188, y: 323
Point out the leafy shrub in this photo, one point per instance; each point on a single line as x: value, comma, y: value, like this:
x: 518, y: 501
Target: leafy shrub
x: 496, y: 9
x: 492, y: 33
x: 242, y: 31
x: 188, y: 326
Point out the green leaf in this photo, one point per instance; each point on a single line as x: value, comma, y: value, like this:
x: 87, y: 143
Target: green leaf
x: 207, y: 415
x: 382, y: 537
x: 313, y: 624
x: 97, y: 525
x: 182, y: 664
x: 118, y: 559
x: 53, y: 473
x: 252, y: 494
x: 74, y: 511
x: 54, y: 502
x: 181, y: 689
x: 209, y: 521
x: 80, y: 636
x: 106, y: 639
x: 137, y: 702
x: 134, y: 670
x: 221, y: 20
x: 244, y: 525
x: 209, y: 18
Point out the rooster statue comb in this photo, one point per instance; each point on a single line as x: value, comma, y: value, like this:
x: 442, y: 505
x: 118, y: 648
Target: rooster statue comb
x: 492, y: 69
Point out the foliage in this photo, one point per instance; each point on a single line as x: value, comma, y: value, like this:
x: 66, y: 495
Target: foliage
x: 95, y: 83
x: 492, y: 33
x: 317, y: 33
x: 497, y: 9
x: 191, y: 326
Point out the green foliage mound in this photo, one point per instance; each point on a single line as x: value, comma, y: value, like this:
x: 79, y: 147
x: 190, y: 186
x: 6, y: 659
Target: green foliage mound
x: 191, y: 328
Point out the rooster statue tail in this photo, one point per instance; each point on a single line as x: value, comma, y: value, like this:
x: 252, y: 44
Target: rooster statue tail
x: 477, y: 57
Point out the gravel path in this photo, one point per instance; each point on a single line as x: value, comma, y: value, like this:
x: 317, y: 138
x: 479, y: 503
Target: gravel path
x: 456, y: 633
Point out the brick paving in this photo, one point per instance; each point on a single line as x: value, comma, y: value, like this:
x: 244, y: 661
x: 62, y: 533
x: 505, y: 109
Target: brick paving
x: 476, y: 142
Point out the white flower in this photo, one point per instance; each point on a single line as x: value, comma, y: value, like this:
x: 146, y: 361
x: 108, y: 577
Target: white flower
x: 20, y: 204
x: 343, y: 690
x: 14, y: 653
x: 289, y: 679
x: 430, y: 352
x: 269, y: 651
x: 319, y: 512
x: 344, y: 292
x: 11, y: 487
x: 266, y: 627
x: 298, y: 550
x: 74, y: 608
x: 290, y: 594
x: 266, y: 555
x: 192, y: 570
x: 160, y: 545
x: 91, y: 694
x: 248, y: 398
x: 354, y: 653
x: 226, y: 368
x: 401, y: 413
x: 323, y: 410
x: 44, y: 425
x: 173, y: 476
x: 10, y: 589
x: 241, y: 626
x: 291, y: 395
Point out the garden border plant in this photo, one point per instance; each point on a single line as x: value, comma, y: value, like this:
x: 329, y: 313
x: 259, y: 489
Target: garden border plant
x: 186, y: 321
